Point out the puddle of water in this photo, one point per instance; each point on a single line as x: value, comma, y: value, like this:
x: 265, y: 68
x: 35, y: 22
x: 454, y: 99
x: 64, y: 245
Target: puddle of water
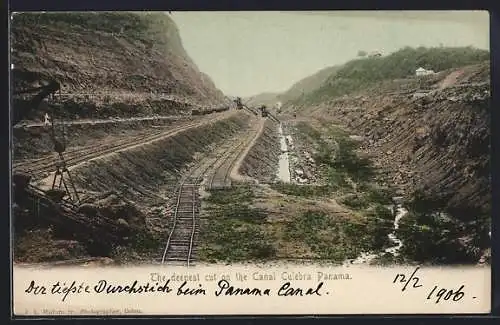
x: 284, y: 163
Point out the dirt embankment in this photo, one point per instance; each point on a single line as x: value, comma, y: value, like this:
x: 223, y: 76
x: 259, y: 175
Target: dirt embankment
x: 126, y: 197
x: 34, y: 142
x: 261, y: 162
x: 109, y: 63
x: 157, y: 164
x: 435, y: 140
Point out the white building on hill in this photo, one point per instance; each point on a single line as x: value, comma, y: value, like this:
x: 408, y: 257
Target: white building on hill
x: 375, y: 54
x: 423, y: 72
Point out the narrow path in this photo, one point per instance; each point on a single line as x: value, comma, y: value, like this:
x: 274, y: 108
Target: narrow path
x: 284, y: 162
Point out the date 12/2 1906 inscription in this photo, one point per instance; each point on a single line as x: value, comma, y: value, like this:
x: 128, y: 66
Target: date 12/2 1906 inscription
x: 437, y: 294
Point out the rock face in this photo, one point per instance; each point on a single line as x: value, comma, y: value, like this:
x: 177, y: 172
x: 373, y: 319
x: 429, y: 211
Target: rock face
x: 105, y: 58
x: 438, y: 143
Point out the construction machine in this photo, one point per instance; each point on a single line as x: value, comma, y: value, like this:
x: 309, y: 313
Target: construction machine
x: 23, y: 111
x: 240, y: 105
x: 62, y: 184
x: 263, y: 110
x: 265, y: 113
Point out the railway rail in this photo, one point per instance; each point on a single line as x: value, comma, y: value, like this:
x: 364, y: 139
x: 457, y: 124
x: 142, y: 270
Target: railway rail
x: 76, y: 156
x: 180, y: 245
x: 220, y: 177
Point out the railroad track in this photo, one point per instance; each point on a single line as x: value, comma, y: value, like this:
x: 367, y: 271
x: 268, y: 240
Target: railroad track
x: 74, y: 157
x: 77, y: 156
x: 180, y: 246
x: 220, y: 177
x: 180, y: 243
x: 40, y: 163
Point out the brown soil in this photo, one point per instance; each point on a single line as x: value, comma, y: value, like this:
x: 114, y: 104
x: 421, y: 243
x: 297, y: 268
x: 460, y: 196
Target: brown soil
x: 35, y: 142
x: 438, y: 143
x: 133, y: 189
x: 107, y: 73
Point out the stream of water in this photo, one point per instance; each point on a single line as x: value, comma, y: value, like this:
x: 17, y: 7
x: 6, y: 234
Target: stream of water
x: 284, y: 163
x: 366, y: 258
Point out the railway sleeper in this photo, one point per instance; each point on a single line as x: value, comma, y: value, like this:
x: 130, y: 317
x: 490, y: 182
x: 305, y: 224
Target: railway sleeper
x: 176, y: 259
x: 187, y: 202
x: 179, y: 251
x: 185, y: 221
x: 187, y: 211
x: 180, y: 242
x: 184, y: 234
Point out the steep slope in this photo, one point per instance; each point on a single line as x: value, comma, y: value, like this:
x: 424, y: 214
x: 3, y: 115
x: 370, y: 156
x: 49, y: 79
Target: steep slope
x: 102, y: 58
x: 360, y: 73
x: 432, y: 138
x: 308, y: 84
x: 299, y: 89
x: 268, y: 99
x: 430, y: 133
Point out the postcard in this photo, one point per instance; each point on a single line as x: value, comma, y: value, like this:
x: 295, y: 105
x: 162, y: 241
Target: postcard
x: 250, y: 163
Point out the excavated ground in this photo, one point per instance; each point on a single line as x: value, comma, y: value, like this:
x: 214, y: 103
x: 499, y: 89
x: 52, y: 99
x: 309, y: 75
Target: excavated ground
x: 430, y: 140
x: 36, y: 142
x: 134, y: 188
x: 437, y: 142
x: 111, y: 64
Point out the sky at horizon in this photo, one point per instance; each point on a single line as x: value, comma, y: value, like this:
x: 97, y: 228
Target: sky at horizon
x: 248, y: 53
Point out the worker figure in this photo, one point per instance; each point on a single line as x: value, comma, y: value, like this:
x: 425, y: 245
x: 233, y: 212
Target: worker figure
x: 47, y: 119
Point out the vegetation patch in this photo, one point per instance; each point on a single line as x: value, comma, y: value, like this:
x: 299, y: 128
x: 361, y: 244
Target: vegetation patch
x: 361, y: 73
x: 336, y: 239
x: 233, y: 230
x: 143, y: 245
x: 241, y: 194
x: 430, y: 235
x: 301, y: 190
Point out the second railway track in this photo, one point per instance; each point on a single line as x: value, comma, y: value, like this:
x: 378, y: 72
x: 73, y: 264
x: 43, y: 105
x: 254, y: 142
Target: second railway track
x: 74, y: 157
x: 181, y: 242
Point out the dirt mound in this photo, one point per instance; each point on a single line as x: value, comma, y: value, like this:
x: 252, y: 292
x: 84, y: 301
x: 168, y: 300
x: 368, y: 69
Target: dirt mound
x: 116, y: 208
x: 101, y: 58
x: 40, y: 245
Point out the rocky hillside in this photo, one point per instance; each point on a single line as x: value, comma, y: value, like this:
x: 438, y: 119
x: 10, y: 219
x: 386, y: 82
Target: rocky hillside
x: 430, y: 135
x: 268, y: 99
x: 294, y: 93
x: 308, y: 84
x: 361, y: 73
x: 104, y: 58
